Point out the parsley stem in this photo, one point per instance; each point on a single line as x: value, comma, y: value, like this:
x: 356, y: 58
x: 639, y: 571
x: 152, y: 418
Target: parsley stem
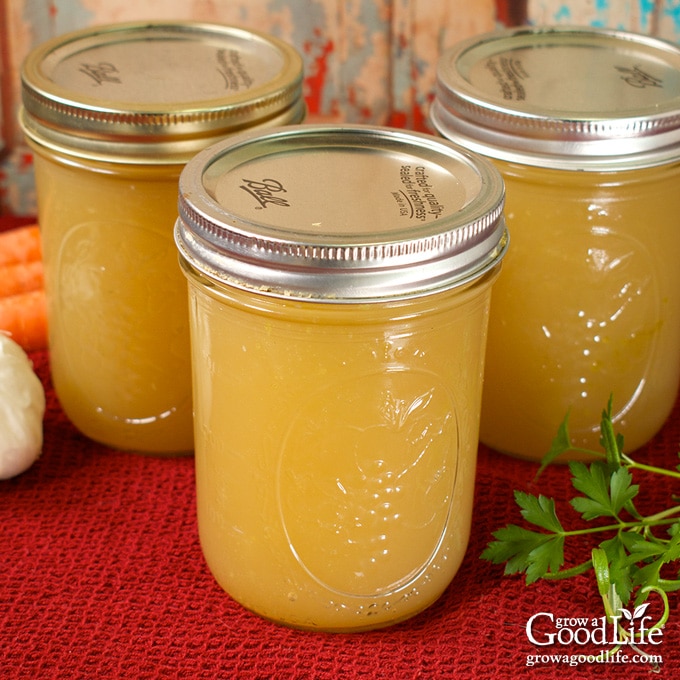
x: 568, y: 573
x: 632, y: 464
x: 652, y: 520
x: 669, y: 585
x: 655, y: 519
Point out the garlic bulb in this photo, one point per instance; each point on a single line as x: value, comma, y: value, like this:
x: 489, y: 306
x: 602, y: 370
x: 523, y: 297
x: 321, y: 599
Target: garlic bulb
x: 22, y: 407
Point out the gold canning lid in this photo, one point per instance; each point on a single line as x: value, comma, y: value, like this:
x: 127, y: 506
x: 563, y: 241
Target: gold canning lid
x: 156, y: 92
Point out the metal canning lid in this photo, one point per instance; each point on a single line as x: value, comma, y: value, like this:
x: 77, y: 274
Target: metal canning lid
x: 340, y: 213
x: 562, y: 97
x: 156, y: 92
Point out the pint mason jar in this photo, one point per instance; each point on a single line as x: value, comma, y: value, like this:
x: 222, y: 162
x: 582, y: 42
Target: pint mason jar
x: 339, y: 284
x: 584, y: 125
x: 113, y: 113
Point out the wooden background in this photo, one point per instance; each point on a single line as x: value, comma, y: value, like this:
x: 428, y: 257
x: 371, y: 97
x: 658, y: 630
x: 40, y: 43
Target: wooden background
x: 369, y: 61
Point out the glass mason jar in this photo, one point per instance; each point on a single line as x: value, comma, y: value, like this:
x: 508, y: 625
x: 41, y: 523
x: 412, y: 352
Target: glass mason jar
x: 113, y: 113
x: 339, y: 285
x: 584, y: 125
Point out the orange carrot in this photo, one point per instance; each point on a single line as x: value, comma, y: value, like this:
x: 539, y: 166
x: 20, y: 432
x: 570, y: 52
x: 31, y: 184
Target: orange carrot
x: 21, y: 244
x: 24, y: 318
x: 22, y: 277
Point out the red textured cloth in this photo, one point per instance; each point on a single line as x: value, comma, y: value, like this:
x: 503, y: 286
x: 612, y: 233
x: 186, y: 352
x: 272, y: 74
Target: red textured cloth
x: 101, y: 576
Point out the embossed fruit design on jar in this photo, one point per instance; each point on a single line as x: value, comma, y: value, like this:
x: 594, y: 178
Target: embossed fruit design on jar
x: 339, y: 285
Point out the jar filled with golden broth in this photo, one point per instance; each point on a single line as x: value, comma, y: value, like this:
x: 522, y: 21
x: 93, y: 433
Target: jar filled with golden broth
x: 112, y: 114
x: 584, y: 125
x: 339, y: 285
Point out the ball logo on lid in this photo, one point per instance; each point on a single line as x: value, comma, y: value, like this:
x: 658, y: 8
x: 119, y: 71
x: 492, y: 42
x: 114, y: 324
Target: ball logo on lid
x: 103, y: 72
x: 264, y: 190
x: 636, y: 77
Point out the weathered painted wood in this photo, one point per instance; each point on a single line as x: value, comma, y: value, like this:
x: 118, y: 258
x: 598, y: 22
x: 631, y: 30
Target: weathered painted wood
x: 651, y: 17
x: 369, y: 61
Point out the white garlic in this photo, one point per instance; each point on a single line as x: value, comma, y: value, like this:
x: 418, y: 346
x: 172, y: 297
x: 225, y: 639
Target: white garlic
x: 22, y: 407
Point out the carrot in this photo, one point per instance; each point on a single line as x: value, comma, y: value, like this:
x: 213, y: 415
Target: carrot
x: 21, y: 277
x: 21, y: 244
x: 22, y: 296
x: 24, y: 318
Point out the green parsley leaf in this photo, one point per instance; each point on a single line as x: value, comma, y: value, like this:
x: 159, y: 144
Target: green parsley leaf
x: 643, y: 550
x: 621, y: 489
x: 560, y: 444
x: 539, y: 511
x: 545, y: 558
x: 513, y: 546
x: 593, y: 482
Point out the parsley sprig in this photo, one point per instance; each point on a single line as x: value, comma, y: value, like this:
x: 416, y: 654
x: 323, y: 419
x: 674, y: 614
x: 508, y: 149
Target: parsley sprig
x: 631, y: 553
